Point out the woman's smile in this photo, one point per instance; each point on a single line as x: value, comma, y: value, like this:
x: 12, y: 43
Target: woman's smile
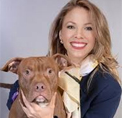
x: 78, y: 45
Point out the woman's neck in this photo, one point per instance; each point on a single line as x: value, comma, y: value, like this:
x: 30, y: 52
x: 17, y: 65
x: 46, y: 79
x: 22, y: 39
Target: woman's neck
x: 75, y: 61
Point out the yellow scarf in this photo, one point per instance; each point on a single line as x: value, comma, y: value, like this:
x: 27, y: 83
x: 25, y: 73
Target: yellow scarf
x: 71, y: 87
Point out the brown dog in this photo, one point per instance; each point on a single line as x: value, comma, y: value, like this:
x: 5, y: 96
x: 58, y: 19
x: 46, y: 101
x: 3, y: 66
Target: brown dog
x: 38, y: 79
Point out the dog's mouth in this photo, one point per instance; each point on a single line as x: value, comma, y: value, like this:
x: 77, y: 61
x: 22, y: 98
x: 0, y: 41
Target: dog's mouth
x: 41, y: 101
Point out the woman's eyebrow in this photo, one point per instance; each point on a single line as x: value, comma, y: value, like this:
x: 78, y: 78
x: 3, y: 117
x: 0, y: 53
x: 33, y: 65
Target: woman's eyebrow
x: 70, y: 22
x: 88, y: 23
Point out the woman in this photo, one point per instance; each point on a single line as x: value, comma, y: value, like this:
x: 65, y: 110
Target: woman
x: 81, y: 32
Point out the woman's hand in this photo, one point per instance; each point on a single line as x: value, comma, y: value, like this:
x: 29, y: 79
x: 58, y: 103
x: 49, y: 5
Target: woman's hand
x: 33, y: 110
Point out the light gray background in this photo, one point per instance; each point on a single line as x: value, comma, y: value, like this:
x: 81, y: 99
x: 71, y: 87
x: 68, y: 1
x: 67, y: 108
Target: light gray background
x: 24, y: 28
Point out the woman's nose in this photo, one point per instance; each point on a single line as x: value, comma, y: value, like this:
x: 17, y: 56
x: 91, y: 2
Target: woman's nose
x: 79, y: 34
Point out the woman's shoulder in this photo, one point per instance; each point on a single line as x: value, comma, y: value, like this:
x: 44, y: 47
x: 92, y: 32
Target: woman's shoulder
x: 105, y: 77
x: 103, y: 95
x: 105, y: 80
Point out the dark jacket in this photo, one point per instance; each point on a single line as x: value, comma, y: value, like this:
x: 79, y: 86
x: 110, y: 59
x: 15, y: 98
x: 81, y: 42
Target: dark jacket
x: 100, y: 100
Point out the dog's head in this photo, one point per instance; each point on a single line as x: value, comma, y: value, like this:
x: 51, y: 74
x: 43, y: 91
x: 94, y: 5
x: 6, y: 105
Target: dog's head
x: 38, y: 76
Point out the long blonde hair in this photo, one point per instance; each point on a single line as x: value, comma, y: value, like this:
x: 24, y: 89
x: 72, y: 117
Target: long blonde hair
x: 102, y: 48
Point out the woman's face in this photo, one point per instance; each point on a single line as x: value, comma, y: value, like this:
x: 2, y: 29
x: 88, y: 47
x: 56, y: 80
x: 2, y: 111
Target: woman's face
x: 77, y: 33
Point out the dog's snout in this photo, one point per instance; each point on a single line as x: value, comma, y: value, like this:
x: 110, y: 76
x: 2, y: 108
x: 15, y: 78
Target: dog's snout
x: 40, y: 87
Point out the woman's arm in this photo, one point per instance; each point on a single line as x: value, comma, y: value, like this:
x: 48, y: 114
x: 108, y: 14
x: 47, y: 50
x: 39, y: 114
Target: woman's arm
x: 105, y: 104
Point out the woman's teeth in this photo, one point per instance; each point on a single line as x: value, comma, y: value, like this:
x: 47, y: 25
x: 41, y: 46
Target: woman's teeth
x: 79, y: 45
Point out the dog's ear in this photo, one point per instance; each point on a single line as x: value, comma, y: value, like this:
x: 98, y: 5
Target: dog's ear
x: 12, y: 65
x: 62, y: 60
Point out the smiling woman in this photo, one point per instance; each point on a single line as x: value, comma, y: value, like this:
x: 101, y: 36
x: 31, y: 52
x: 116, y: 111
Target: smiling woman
x: 80, y: 32
x: 77, y: 34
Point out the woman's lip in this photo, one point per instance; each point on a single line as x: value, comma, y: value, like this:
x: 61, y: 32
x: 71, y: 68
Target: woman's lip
x: 78, y: 45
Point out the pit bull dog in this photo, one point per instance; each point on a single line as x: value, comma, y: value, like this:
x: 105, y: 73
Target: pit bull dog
x: 38, y: 79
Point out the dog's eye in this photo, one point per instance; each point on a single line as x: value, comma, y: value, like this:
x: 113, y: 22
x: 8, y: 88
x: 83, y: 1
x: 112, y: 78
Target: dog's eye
x: 27, y: 72
x: 49, y: 70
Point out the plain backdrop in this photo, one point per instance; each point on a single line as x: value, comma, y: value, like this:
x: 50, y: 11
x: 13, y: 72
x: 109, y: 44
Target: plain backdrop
x: 24, y: 28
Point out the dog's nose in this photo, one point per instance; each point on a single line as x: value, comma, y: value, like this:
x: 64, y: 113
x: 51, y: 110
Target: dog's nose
x: 40, y: 87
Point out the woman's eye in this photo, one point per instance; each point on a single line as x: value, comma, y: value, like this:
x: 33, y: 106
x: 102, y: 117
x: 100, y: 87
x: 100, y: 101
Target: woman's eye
x: 88, y: 28
x: 70, y: 27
